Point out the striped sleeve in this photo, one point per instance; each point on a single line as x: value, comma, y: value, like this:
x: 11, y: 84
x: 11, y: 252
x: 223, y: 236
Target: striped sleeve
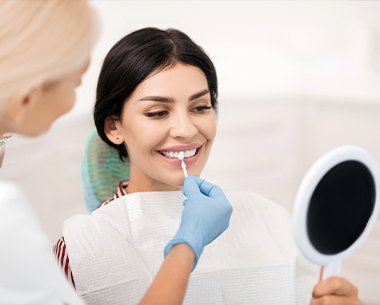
x: 63, y: 259
x: 120, y: 192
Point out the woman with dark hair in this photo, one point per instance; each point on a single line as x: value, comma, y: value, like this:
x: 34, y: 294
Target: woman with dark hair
x: 156, y: 100
x: 206, y: 210
x: 136, y: 57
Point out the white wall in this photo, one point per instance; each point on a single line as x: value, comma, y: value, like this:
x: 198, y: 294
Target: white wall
x: 262, y: 49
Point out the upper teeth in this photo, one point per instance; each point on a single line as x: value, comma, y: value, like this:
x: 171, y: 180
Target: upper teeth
x: 174, y: 154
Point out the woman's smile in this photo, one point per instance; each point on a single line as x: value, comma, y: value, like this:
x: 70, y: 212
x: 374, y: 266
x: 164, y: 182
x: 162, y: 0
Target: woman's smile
x: 191, y: 154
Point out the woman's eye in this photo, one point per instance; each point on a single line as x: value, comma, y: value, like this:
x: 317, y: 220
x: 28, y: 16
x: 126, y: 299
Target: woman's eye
x: 156, y: 114
x: 201, y: 109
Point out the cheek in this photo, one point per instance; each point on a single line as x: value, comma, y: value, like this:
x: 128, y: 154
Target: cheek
x: 61, y: 100
x: 69, y: 97
x: 209, y: 128
x: 140, y: 138
x: 69, y: 102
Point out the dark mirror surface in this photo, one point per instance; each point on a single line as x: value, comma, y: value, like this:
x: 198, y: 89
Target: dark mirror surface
x: 340, y: 207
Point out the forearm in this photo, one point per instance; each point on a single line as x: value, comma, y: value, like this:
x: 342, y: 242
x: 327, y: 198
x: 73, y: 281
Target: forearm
x: 170, y: 283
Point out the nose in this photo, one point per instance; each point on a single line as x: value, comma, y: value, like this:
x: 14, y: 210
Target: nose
x: 182, y: 126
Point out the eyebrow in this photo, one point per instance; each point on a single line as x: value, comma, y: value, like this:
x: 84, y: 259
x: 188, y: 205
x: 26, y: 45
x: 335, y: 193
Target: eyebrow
x: 164, y: 99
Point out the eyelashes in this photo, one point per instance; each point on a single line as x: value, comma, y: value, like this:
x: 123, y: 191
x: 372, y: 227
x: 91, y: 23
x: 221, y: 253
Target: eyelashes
x: 156, y: 114
x: 164, y: 113
x: 201, y: 109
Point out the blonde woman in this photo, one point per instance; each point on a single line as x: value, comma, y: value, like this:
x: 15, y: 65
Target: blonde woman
x: 44, y: 50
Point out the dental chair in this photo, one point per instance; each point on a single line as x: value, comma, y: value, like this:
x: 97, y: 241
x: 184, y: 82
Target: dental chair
x: 101, y: 171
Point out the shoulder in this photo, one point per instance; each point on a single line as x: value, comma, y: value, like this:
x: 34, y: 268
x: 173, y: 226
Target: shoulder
x: 120, y: 192
x: 254, y: 206
x: 107, y: 220
x: 10, y: 196
x: 104, y: 206
x: 252, y: 201
x: 26, y: 250
x: 16, y: 214
x: 19, y: 227
x: 253, y: 209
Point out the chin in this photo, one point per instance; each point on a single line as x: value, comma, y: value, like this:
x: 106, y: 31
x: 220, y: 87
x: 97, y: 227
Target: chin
x: 178, y: 184
x: 37, y: 132
x: 174, y: 183
x: 31, y: 132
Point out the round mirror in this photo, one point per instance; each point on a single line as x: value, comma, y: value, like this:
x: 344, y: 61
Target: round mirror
x: 336, y: 207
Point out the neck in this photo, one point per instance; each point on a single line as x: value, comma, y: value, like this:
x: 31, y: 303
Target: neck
x: 136, y: 186
x: 139, y: 182
x: 3, y: 130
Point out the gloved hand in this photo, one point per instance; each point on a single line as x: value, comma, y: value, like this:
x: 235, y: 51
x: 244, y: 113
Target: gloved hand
x: 206, y: 215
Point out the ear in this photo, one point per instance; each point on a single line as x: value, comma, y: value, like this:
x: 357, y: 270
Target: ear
x: 113, y: 130
x: 20, y: 105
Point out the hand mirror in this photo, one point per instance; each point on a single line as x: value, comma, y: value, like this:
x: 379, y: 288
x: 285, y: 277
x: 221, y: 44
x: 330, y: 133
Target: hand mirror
x: 336, y: 207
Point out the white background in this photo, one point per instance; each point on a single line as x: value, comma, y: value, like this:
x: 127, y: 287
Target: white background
x: 262, y: 49
x: 296, y: 78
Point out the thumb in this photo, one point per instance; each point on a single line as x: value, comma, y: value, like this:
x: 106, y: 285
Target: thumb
x: 190, y: 186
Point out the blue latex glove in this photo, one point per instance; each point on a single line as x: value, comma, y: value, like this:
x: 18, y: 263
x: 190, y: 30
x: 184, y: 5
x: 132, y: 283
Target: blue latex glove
x: 206, y: 215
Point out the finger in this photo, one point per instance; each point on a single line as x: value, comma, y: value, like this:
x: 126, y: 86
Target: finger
x: 335, y: 286
x: 190, y: 186
x: 209, y: 189
x: 335, y: 300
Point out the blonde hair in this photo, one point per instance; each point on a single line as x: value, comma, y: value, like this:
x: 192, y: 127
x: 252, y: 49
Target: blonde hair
x: 42, y: 41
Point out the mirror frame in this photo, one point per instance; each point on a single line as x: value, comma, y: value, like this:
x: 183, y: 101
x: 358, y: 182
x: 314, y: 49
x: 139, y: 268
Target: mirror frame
x: 306, y: 190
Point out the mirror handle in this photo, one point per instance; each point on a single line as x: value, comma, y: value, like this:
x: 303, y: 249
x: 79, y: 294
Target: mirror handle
x: 332, y: 269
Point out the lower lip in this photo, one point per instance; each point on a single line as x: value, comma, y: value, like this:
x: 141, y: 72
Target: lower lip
x: 188, y: 161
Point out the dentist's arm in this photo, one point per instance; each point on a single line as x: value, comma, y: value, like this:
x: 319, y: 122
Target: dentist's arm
x: 206, y: 215
x: 169, y: 286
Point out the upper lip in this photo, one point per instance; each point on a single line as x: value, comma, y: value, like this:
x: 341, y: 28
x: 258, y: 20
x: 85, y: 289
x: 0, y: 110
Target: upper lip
x: 182, y: 147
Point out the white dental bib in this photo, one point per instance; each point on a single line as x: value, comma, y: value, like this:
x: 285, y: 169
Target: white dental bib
x: 116, y: 251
